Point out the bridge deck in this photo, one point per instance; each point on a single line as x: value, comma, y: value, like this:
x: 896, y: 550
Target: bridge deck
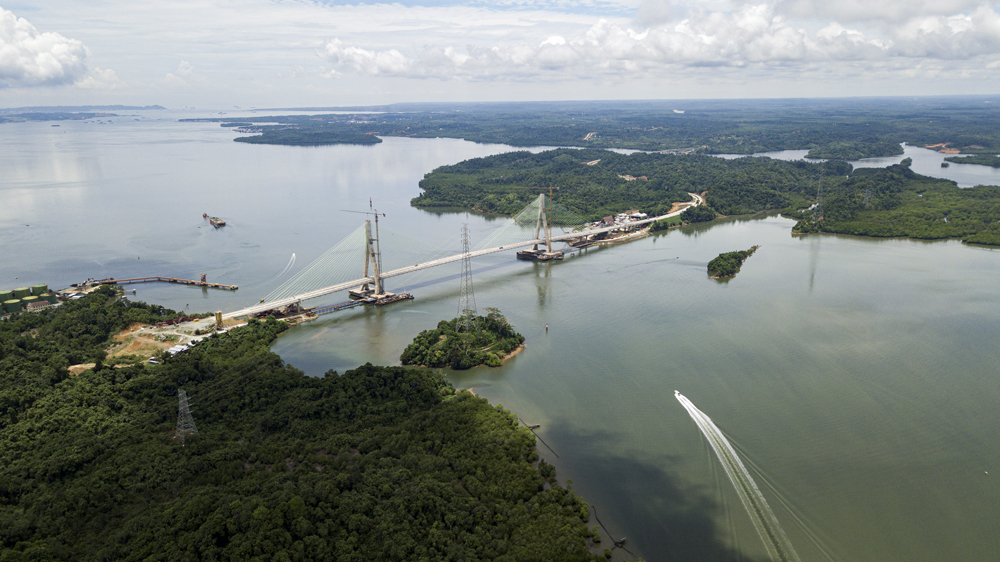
x: 696, y: 200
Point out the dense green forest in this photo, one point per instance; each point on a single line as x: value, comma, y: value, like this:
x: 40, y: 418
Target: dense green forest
x: 305, y: 136
x: 836, y: 128
x: 981, y: 159
x: 447, y: 346
x: 701, y: 213
x: 853, y: 150
x: 380, y: 463
x: 728, y: 264
x: 591, y: 185
x: 895, y: 201
x: 892, y: 201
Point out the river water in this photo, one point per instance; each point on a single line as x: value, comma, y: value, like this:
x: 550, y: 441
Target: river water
x: 856, y: 377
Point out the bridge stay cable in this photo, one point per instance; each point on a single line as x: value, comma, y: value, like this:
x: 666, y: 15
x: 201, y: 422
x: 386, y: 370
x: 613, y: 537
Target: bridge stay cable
x: 326, y: 272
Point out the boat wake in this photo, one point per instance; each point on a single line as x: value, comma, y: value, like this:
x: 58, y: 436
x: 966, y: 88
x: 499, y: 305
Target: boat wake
x: 778, y: 547
x: 291, y: 263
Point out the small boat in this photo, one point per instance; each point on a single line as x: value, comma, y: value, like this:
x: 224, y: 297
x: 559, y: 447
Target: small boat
x: 214, y: 221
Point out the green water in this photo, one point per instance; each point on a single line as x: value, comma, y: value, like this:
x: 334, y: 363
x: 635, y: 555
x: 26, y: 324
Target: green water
x: 858, y: 377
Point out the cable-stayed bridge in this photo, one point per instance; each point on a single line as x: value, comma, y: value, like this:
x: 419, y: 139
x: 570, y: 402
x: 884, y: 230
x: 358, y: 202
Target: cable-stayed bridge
x: 311, y: 282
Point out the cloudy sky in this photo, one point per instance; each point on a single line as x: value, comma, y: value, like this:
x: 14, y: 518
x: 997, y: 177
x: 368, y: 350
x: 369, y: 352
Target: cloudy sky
x: 268, y: 53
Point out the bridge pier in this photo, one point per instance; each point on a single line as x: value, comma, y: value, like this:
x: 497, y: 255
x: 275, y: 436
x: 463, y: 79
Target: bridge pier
x: 372, y: 258
x: 372, y: 252
x: 542, y: 225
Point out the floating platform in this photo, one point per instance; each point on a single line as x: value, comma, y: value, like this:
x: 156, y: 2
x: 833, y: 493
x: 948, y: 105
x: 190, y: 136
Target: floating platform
x: 539, y: 255
x: 113, y: 281
x: 389, y: 298
x: 374, y: 300
x: 362, y: 292
x: 336, y: 307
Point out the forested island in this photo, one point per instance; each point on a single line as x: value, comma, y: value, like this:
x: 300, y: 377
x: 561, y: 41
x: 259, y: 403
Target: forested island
x: 981, y: 159
x: 853, y: 150
x: 845, y: 128
x: 294, y: 136
x: 828, y: 196
x: 592, y: 183
x: 380, y: 463
x: 728, y: 264
x: 66, y: 113
x: 451, y: 345
x: 895, y: 201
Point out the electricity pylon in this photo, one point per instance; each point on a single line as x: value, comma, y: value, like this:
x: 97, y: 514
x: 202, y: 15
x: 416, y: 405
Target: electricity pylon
x: 818, y: 209
x: 185, y: 423
x: 466, y: 299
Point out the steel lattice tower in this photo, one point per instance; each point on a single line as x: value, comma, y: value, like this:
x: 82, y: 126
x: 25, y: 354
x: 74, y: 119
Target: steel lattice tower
x: 818, y: 209
x: 185, y: 423
x: 466, y: 299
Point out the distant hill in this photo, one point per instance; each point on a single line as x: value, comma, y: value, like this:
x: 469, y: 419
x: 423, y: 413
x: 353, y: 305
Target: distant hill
x: 73, y: 108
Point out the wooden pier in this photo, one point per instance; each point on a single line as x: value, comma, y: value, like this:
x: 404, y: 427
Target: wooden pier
x: 113, y: 281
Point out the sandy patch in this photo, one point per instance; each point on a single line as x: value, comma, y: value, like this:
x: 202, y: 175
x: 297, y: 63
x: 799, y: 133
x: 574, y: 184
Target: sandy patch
x: 75, y: 370
x: 519, y: 349
x: 121, y: 336
x: 142, y: 346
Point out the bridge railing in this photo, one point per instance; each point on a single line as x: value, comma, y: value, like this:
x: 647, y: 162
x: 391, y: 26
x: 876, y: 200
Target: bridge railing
x: 258, y: 308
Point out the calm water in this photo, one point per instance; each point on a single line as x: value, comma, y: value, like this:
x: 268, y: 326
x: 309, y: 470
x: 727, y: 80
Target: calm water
x: 925, y: 161
x: 857, y: 377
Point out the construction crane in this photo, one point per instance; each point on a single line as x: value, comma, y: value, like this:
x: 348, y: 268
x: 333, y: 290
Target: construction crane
x: 373, y: 254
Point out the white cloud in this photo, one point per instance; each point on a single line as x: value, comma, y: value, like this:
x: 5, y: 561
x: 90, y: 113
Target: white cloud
x: 950, y: 37
x: 545, y: 49
x: 173, y: 81
x: 101, y: 80
x: 748, y: 35
x: 364, y: 61
x: 31, y: 58
x: 885, y: 11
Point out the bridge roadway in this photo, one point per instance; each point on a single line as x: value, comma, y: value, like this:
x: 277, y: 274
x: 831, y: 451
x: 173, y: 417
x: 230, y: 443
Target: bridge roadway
x: 695, y: 201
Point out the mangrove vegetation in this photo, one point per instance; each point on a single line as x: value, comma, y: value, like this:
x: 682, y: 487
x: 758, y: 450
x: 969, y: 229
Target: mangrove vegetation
x: 728, y: 264
x: 845, y: 128
x: 981, y: 159
x: 895, y: 201
x: 380, y: 463
x: 489, y: 340
x: 597, y: 183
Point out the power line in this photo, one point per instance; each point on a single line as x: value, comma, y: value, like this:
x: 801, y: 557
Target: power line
x: 467, y: 298
x: 185, y: 423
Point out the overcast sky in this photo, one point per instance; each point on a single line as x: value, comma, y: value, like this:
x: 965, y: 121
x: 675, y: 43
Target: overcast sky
x: 282, y: 53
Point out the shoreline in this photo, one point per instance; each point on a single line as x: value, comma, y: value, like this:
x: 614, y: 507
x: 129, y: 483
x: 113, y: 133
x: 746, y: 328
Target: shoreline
x: 513, y: 352
x: 503, y: 360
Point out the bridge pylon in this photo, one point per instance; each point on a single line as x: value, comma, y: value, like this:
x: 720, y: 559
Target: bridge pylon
x: 373, y: 259
x: 543, y: 226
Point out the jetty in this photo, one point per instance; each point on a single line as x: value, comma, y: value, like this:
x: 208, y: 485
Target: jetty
x: 201, y: 283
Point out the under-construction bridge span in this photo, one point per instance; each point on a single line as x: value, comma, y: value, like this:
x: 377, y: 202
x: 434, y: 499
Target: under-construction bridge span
x: 297, y: 299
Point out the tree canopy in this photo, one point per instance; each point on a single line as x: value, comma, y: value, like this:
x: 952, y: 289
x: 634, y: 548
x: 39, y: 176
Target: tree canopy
x: 449, y: 346
x: 728, y: 264
x: 594, y: 183
x: 895, y: 201
x: 380, y: 463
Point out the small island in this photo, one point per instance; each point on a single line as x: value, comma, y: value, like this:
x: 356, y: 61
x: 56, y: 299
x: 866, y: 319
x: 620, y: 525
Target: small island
x: 491, y: 342
x: 727, y: 264
x: 980, y: 159
x: 856, y: 150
